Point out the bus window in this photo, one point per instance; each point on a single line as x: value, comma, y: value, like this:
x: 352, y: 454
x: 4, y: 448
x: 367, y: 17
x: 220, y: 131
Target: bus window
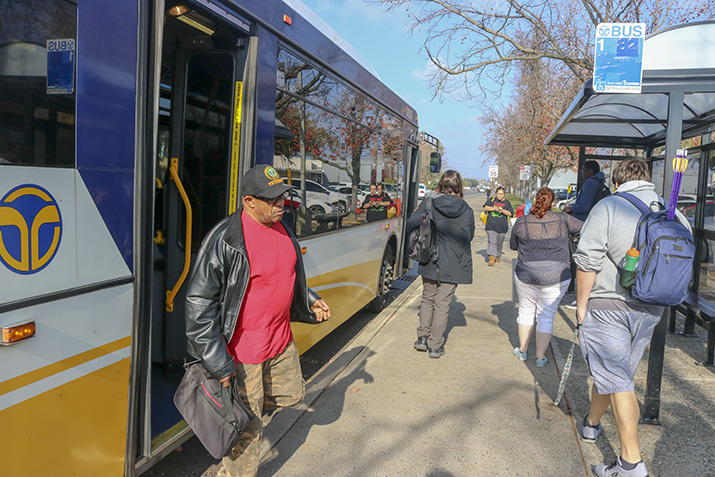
x: 37, y: 124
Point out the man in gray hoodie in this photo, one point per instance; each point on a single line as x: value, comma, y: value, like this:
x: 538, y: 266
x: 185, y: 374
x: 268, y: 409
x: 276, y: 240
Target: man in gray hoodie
x: 615, y: 327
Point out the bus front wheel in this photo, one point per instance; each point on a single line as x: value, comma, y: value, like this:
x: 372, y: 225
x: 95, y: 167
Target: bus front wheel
x: 387, y: 276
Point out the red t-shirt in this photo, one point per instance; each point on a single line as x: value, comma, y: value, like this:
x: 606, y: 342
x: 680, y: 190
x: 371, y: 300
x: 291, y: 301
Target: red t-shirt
x: 263, y: 327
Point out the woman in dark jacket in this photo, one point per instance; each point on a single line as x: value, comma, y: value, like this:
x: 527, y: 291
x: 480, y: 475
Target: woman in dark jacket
x: 543, y: 270
x: 454, y: 221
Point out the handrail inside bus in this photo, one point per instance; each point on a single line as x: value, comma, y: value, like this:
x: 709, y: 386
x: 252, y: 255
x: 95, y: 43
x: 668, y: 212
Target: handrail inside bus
x: 171, y: 294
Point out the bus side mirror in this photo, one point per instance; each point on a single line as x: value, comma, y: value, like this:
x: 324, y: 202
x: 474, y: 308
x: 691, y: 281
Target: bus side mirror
x: 435, y: 162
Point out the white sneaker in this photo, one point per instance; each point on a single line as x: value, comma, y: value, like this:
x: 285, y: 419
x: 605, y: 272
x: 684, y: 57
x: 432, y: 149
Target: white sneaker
x: 571, y: 306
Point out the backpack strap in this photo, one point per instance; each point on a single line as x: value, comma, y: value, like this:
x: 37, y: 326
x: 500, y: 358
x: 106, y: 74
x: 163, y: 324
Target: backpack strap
x: 430, y: 214
x: 639, y: 204
x: 644, y: 210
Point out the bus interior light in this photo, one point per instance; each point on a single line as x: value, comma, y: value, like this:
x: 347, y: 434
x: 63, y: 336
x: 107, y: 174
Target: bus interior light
x: 197, y: 21
x: 178, y: 10
x: 13, y: 334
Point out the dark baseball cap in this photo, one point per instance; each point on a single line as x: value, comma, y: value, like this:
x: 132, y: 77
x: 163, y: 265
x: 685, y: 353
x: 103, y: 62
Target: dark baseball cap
x: 263, y: 180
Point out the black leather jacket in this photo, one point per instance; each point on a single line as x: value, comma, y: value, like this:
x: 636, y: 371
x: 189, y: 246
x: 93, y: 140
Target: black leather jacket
x: 216, y: 289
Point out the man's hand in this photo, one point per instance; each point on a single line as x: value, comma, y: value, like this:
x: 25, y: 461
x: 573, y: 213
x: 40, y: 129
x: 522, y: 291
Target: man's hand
x: 580, y: 313
x: 227, y: 380
x: 321, y: 310
x: 566, y: 210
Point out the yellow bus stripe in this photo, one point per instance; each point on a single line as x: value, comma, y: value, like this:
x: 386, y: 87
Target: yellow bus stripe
x: 68, y: 363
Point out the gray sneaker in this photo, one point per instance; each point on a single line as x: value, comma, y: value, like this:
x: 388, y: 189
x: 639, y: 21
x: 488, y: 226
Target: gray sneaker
x: 588, y: 432
x: 436, y: 353
x: 421, y: 343
x: 616, y: 470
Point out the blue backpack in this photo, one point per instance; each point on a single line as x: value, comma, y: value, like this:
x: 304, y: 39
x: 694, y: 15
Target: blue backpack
x: 667, y: 250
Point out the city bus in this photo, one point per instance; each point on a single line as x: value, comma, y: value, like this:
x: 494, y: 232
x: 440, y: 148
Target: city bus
x: 125, y: 128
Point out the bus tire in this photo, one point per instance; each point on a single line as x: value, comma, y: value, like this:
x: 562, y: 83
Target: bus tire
x: 387, y: 276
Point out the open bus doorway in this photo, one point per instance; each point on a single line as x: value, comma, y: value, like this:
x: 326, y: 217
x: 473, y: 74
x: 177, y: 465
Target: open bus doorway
x: 201, y: 87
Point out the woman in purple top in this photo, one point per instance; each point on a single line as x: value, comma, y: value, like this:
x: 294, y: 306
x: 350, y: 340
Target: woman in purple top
x: 542, y: 272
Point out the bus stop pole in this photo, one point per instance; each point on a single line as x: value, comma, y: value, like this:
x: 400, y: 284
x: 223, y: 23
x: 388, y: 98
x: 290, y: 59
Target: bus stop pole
x: 651, y: 404
x: 657, y: 345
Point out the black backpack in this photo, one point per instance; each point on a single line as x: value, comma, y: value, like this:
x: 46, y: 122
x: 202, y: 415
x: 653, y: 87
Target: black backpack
x: 603, y: 191
x: 423, y: 239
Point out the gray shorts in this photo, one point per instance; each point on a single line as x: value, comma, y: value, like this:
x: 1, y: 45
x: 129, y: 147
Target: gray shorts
x: 613, y: 337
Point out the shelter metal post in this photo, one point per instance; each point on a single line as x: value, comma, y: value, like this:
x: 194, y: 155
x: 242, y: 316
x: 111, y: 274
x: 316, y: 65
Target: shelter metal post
x: 581, y: 161
x: 673, y: 137
x: 651, y: 405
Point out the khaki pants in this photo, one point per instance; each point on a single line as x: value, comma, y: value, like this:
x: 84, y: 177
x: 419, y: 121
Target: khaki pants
x: 275, y: 383
x: 434, y: 311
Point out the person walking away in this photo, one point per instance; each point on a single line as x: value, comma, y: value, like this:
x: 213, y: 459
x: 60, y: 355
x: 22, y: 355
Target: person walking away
x: 542, y: 272
x: 247, y: 284
x: 615, y: 327
x: 454, y: 221
x: 498, y: 212
x: 376, y: 203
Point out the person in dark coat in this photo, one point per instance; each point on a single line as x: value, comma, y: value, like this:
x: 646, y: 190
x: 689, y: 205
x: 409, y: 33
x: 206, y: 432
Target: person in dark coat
x: 454, y: 221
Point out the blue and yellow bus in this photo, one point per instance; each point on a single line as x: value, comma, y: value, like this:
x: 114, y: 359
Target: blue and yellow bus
x: 124, y: 130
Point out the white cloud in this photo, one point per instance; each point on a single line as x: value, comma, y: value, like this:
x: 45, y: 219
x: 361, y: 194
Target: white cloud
x: 425, y: 73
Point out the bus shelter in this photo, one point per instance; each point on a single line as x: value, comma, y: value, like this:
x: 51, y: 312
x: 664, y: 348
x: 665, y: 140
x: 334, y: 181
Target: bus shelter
x: 675, y: 109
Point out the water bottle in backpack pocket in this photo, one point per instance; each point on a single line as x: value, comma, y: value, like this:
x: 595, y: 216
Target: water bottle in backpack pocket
x: 665, y: 264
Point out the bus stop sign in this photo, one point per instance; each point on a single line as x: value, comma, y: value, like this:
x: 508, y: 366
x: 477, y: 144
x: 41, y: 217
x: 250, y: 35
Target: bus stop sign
x: 618, y: 60
x: 60, y: 66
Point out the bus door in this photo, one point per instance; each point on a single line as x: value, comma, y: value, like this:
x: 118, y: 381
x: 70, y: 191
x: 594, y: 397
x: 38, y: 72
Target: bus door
x: 199, y: 135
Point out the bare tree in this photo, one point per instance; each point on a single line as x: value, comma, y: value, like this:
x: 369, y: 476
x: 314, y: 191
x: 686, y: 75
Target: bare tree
x: 515, y: 133
x: 474, y: 44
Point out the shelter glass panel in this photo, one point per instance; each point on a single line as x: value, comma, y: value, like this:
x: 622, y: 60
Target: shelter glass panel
x: 705, y: 267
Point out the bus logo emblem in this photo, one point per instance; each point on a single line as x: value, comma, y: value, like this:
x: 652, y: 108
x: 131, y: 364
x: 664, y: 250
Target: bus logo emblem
x: 30, y: 229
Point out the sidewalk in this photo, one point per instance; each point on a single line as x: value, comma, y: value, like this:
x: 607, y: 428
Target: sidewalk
x: 383, y: 409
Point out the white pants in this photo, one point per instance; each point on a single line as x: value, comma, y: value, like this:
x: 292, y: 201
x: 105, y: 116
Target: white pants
x: 539, y: 302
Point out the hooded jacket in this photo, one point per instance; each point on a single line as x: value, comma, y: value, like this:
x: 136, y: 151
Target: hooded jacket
x: 454, y: 220
x: 586, y: 197
x: 216, y: 289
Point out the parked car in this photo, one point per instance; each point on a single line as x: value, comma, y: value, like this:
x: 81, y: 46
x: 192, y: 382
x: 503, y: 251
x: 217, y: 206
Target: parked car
x: 338, y: 201
x: 560, y: 194
x: 348, y: 191
x: 316, y: 206
x: 422, y: 191
x: 562, y: 204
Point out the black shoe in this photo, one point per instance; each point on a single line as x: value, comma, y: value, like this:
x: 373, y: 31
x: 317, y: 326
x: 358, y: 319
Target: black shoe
x: 436, y: 353
x: 421, y: 343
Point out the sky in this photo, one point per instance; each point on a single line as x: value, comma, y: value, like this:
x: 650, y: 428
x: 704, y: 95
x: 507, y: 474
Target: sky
x: 384, y: 40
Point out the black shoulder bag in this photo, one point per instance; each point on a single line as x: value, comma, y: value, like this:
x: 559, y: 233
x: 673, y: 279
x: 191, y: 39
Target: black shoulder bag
x: 214, y: 412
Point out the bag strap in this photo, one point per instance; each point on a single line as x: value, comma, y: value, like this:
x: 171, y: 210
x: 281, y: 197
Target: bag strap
x: 567, y: 367
x: 639, y: 204
x: 430, y: 212
x: 227, y: 395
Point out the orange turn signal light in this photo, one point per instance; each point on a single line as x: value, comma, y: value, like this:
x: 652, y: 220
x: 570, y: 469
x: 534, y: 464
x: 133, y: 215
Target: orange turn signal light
x: 303, y: 250
x: 287, y: 20
x: 13, y: 334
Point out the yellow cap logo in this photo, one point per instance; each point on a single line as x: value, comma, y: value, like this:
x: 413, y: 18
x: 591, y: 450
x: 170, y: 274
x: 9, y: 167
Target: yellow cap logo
x: 270, y: 172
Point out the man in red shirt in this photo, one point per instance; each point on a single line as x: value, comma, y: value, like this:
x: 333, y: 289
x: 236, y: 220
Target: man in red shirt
x: 247, y: 285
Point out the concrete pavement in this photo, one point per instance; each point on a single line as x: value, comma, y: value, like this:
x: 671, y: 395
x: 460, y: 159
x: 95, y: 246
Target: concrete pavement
x: 380, y: 408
